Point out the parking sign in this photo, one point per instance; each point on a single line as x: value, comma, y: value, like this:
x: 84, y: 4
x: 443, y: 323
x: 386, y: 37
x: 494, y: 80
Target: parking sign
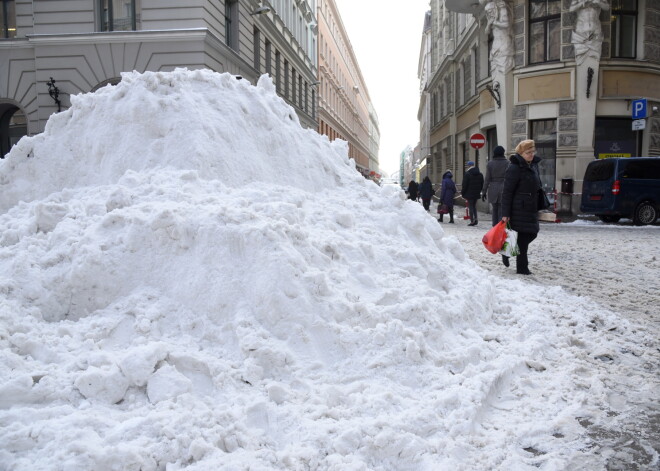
x: 639, y: 109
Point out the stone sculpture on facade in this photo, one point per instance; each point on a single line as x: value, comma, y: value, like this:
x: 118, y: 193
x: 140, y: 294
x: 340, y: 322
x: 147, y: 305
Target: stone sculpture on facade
x: 499, y: 22
x: 587, y: 38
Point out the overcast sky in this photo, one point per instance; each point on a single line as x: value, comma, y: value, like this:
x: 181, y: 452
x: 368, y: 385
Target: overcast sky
x: 387, y: 40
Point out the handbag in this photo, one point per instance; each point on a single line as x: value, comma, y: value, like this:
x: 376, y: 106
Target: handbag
x: 494, y: 239
x: 542, y: 200
x: 510, y: 247
x: 443, y: 209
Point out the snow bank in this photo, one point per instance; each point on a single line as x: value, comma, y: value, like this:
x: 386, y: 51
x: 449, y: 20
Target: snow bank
x: 190, y: 280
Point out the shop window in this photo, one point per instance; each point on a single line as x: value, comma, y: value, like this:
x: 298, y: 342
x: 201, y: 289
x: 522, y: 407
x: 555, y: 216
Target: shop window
x: 119, y: 15
x: 491, y: 142
x: 544, y: 30
x: 8, y: 19
x: 624, y: 28
x: 544, y: 134
x: 614, y: 137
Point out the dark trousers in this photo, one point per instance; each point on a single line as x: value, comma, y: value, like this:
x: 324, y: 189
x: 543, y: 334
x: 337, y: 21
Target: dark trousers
x: 472, y: 207
x: 497, y: 213
x: 451, y: 214
x: 524, y: 239
x: 426, y: 203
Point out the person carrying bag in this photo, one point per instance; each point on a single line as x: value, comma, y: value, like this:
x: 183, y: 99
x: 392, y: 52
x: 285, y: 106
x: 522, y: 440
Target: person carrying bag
x: 520, y: 202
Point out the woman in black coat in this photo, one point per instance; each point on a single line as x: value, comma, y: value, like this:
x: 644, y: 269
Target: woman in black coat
x: 426, y: 192
x: 520, y: 200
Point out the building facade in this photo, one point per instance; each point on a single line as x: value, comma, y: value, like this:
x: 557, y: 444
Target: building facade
x: 50, y: 50
x: 345, y: 108
x: 561, y: 72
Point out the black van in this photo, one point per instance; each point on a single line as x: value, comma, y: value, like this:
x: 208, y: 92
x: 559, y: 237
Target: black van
x: 622, y: 188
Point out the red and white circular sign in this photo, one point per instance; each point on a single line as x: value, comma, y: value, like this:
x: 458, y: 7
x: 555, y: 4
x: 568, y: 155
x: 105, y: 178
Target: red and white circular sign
x: 477, y: 140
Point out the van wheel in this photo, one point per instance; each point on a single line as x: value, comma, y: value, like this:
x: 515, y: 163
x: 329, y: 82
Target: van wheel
x: 607, y: 218
x: 645, y: 213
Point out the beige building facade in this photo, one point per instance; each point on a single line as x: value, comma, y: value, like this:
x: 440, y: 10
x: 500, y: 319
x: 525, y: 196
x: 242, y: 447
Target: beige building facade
x: 345, y: 108
x: 50, y: 50
x: 562, y: 72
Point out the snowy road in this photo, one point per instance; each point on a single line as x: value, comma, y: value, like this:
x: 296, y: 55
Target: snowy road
x: 617, y: 266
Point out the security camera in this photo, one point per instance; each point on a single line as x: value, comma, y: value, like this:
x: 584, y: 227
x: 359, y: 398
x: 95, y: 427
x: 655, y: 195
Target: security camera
x: 655, y: 109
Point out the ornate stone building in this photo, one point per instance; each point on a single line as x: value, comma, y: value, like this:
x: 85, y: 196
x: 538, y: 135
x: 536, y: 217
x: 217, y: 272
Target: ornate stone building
x: 345, y: 108
x: 50, y: 50
x: 561, y: 72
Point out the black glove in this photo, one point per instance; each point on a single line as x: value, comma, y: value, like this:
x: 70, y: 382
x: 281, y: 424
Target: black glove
x: 483, y: 197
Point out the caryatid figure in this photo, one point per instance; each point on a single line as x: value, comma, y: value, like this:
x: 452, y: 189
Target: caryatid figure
x: 587, y: 38
x: 499, y: 22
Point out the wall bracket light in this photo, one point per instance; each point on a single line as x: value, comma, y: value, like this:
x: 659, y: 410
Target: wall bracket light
x: 494, y: 91
x: 54, y: 93
x: 260, y: 11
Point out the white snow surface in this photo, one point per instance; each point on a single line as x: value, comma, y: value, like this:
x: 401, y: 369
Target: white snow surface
x: 191, y: 280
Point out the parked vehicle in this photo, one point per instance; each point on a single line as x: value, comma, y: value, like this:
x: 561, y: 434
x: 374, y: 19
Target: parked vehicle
x: 622, y: 188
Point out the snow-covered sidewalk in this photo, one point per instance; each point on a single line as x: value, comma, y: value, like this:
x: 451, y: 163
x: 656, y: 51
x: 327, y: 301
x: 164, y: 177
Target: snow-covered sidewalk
x: 615, y: 266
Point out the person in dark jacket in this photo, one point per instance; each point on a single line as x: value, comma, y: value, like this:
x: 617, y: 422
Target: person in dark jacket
x: 413, y: 189
x: 426, y: 192
x: 473, y: 182
x: 520, y: 200
x: 494, y: 182
x: 447, y: 193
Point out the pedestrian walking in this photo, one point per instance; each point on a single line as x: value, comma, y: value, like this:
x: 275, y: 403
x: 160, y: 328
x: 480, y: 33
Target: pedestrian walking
x: 494, y: 182
x: 426, y: 192
x: 447, y: 193
x: 520, y: 200
x: 413, y: 190
x: 473, y: 182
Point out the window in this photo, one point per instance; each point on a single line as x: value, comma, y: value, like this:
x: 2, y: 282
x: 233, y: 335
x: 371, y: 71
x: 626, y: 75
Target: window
x: 8, y: 19
x: 269, y: 65
x: 256, y: 40
x: 231, y: 24
x: 544, y: 30
x: 286, y: 79
x: 119, y: 15
x: 544, y: 134
x: 277, y: 71
x: 624, y: 28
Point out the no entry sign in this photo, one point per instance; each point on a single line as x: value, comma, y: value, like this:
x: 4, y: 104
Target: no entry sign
x: 477, y: 140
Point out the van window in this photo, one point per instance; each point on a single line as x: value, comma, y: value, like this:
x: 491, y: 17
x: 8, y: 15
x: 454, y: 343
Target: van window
x: 643, y: 169
x: 599, y: 171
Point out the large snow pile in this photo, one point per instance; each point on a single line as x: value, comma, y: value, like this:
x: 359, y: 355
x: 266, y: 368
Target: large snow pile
x: 189, y: 279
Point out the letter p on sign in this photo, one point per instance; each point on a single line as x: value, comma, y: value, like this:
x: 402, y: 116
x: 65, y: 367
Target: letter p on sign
x: 639, y: 109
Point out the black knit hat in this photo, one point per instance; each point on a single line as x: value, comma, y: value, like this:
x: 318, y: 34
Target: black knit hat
x: 499, y: 150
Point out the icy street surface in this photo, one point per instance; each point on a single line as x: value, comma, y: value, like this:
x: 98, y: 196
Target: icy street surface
x: 617, y: 266
x: 218, y: 289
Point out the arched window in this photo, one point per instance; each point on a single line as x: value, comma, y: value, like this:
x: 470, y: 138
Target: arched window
x: 13, y: 126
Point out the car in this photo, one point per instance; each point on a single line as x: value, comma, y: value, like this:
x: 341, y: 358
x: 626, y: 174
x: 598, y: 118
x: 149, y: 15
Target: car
x: 627, y: 187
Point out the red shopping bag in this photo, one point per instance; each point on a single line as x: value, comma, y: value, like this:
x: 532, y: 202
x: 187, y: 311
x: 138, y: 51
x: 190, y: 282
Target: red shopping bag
x: 494, y: 239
